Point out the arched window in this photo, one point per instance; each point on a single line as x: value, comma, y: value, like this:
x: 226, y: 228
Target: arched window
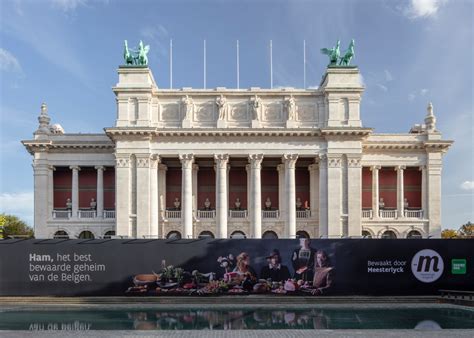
x: 414, y: 234
x: 302, y: 234
x: 270, y: 235
x: 61, y: 234
x: 389, y: 234
x: 86, y: 235
x: 174, y: 235
x: 206, y: 234
x: 109, y: 234
x: 238, y: 235
x: 366, y: 234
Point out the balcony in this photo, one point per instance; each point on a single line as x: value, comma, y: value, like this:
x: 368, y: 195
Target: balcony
x: 237, y: 213
x: 270, y: 214
x: 64, y: 214
x: 366, y: 213
x: 172, y: 214
x: 388, y: 213
x: 303, y: 213
x: 413, y: 213
x: 86, y: 214
x: 206, y: 214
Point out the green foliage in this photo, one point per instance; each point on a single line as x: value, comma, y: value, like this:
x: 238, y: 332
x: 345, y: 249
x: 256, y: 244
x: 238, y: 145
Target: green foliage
x: 466, y: 230
x: 14, y: 226
x: 449, y: 233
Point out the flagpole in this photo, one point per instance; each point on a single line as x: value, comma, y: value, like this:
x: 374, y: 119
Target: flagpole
x: 204, y: 64
x: 271, y: 65
x: 304, y: 64
x: 238, y: 66
x: 171, y: 63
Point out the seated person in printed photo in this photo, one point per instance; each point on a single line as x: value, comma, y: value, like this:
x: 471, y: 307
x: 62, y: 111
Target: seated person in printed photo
x: 275, y: 271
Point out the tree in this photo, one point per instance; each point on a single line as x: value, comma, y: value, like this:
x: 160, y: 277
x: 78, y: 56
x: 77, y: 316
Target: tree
x: 467, y: 230
x: 14, y: 226
x: 449, y: 233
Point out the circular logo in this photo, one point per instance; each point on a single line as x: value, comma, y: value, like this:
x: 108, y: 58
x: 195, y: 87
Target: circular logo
x: 427, y: 265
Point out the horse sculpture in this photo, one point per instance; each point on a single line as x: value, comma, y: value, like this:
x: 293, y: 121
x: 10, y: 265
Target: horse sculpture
x: 136, y: 57
x: 346, y: 59
x: 333, y: 53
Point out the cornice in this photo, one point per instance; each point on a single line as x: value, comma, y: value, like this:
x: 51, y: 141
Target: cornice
x: 34, y: 146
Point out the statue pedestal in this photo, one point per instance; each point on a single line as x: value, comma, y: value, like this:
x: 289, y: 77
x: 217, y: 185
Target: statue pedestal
x: 186, y: 124
x: 291, y: 124
x: 256, y: 124
x: 221, y: 124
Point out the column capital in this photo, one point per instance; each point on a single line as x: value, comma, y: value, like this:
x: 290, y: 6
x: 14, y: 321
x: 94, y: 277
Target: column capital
x: 162, y: 166
x: 422, y: 167
x: 354, y: 161
x: 187, y: 160
x: 256, y: 161
x: 155, y: 157
x: 221, y: 160
x: 400, y: 167
x: 75, y: 167
x: 321, y: 159
x: 375, y: 167
x: 195, y: 166
x: 281, y: 167
x: 52, y: 167
x: 100, y: 167
x: 313, y: 167
x: 290, y: 160
x: 334, y: 160
x: 143, y: 161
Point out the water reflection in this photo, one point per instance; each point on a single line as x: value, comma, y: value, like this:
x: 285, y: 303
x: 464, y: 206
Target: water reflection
x: 238, y: 319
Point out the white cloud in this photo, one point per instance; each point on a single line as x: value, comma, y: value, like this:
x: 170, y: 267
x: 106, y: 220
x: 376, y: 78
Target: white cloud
x: 411, y: 97
x: 423, y: 8
x: 388, y: 75
x: 18, y: 204
x: 8, y: 62
x: 159, y: 37
x: 467, y: 185
x: 68, y: 5
x: 423, y: 91
x: 382, y: 87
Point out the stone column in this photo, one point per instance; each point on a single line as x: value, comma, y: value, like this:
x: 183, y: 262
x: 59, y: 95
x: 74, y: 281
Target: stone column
x: 255, y: 195
x: 143, y: 195
x: 221, y: 194
x: 41, y: 173
x: 323, y: 196
x: 154, y: 208
x: 313, y: 189
x: 50, y: 191
x: 100, y: 190
x: 375, y: 190
x: 354, y: 202
x: 433, y: 173
x: 334, y: 193
x: 187, y: 161
x: 423, y: 191
x: 281, y: 191
x: 75, y: 190
x: 290, y: 192
x: 162, y: 194
x: 400, y: 191
x: 122, y: 195
x: 249, y: 206
x: 195, y: 190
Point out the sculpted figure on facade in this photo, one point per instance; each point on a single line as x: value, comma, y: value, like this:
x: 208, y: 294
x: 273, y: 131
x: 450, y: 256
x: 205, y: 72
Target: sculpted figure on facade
x: 222, y: 105
x: 291, y: 108
x: 256, y: 108
x: 188, y: 107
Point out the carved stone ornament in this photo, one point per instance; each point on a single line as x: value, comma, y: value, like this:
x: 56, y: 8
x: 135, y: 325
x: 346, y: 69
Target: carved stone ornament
x: 256, y: 104
x: 122, y: 162
x: 334, y: 162
x: 222, y: 105
x: 188, y: 105
x: 255, y: 160
x: 290, y: 105
x: 143, y: 162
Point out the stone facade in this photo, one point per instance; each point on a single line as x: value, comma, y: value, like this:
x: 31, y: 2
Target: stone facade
x: 245, y: 146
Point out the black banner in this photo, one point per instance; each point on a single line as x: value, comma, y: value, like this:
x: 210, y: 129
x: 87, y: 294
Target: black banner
x: 202, y: 267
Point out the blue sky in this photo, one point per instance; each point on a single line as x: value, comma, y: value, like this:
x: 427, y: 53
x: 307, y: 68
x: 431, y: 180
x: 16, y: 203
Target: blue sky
x: 66, y: 52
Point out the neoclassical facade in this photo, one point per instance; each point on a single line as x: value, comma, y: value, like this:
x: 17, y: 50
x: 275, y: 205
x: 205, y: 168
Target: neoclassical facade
x: 232, y: 163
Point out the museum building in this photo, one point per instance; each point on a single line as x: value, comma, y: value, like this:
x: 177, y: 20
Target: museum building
x: 234, y: 163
